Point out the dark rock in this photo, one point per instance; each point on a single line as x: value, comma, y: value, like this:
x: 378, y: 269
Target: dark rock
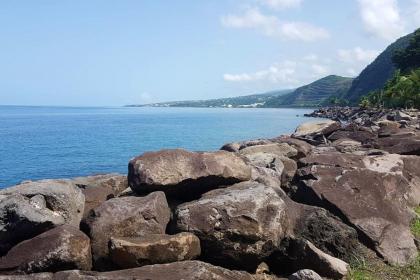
x: 61, y: 196
x: 22, y: 218
x: 188, y: 174
x: 238, y: 226
x: 124, y: 217
x: 371, y: 201
x: 100, y: 188
x: 154, y: 249
x: 61, y: 248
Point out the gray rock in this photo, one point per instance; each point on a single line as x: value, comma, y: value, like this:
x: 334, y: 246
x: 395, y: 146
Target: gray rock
x: 241, y: 224
x: 61, y: 196
x: 305, y: 274
x: 186, y: 174
x: 22, y: 218
x: 124, y: 217
x: 154, y: 249
x: 61, y: 248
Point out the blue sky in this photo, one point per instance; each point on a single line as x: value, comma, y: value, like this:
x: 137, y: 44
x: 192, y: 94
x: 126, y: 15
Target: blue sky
x: 99, y: 52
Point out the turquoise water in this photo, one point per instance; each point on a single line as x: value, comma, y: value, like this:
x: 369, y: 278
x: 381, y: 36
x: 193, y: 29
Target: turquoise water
x: 57, y: 142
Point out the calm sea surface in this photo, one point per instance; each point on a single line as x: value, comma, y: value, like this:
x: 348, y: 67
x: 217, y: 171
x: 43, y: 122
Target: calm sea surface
x: 57, y: 142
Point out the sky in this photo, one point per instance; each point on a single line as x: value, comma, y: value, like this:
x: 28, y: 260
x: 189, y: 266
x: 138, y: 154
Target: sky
x: 111, y: 53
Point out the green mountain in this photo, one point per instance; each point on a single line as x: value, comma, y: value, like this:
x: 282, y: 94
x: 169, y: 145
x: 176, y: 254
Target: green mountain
x: 376, y: 74
x: 254, y: 100
x: 315, y: 94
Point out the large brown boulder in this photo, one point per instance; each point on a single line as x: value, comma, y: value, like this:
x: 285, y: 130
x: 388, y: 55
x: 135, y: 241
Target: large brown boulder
x: 61, y: 248
x: 99, y: 188
x: 186, y: 174
x: 61, y: 196
x: 154, y: 249
x: 124, y: 217
x: 239, y: 225
x: 22, y: 218
x: 373, y: 202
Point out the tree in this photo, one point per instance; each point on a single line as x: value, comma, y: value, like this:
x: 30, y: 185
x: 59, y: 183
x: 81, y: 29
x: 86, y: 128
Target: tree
x: 409, y: 58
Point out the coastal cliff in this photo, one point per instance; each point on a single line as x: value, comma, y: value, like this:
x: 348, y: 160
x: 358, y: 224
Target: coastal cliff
x: 309, y: 205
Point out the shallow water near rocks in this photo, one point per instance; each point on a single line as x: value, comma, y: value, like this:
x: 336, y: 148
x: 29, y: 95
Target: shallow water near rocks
x: 59, y: 142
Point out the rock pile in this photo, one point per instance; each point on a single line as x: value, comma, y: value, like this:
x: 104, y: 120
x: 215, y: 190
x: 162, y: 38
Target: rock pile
x: 295, y: 206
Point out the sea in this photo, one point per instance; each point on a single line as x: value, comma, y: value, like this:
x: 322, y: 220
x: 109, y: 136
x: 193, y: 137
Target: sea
x: 63, y: 142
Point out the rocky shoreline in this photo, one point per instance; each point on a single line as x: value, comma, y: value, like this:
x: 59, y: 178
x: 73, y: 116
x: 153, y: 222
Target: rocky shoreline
x: 298, y: 206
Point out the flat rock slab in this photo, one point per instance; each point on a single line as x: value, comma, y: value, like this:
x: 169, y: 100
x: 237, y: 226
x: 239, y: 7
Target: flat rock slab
x: 183, y: 173
x: 61, y: 248
x: 124, y: 217
x: 154, y: 249
x: 239, y: 225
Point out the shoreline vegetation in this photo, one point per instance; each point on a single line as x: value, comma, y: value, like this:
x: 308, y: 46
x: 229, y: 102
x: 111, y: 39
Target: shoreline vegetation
x: 337, y: 199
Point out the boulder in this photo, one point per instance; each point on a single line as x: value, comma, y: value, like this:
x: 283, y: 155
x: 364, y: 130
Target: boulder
x: 297, y: 254
x: 282, y: 149
x: 237, y: 226
x: 373, y: 202
x: 36, y: 276
x: 361, y: 136
x: 324, y: 230
x: 347, y: 145
x: 305, y: 274
x: 186, y: 270
x: 60, y: 248
x: 99, y: 188
x: 289, y: 170
x: 124, y: 217
x: 186, y: 174
x: 22, y: 218
x: 314, y: 129
x: 302, y: 147
x: 154, y: 249
x: 62, y: 197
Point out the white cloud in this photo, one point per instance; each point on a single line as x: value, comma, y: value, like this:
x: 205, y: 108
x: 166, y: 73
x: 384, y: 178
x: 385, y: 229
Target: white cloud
x: 285, y: 74
x: 274, y: 74
x: 320, y: 70
x: 357, y: 55
x: 415, y: 11
x: 271, y: 26
x: 311, y: 57
x: 281, y: 4
x: 381, y: 18
x: 351, y: 72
